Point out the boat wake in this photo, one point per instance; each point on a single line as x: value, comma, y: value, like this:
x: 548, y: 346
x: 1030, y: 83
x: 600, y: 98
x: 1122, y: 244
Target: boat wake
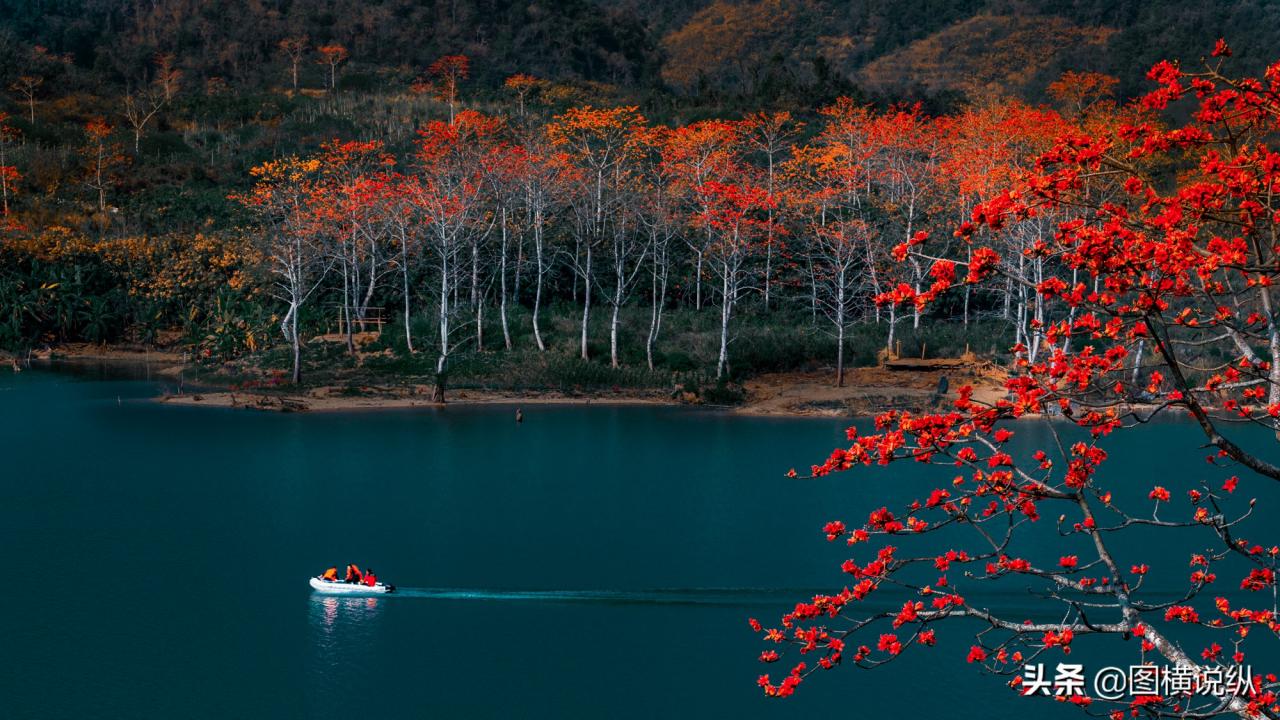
x: 659, y: 596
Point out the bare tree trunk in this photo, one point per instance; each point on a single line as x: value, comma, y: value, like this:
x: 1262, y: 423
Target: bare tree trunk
x: 586, y: 302
x: 537, y: 293
x: 515, y: 290
x: 840, y: 348
x: 502, y: 283
x: 613, y: 331
x: 697, y: 279
x: 726, y: 307
x: 659, y: 299
x: 1273, y: 345
x: 404, y: 275
x: 620, y: 282
x: 289, y: 326
x: 1137, y: 362
x: 475, y: 272
x: 437, y: 393
x: 893, y: 324
x: 1071, y: 316
x: 362, y: 311
x: 102, y: 189
x: 297, y: 350
x: 456, y: 285
x: 768, y: 256
x: 813, y: 292
x: 768, y: 263
x: 346, y: 304
x: 4, y: 182
x: 1038, y: 330
x: 840, y: 330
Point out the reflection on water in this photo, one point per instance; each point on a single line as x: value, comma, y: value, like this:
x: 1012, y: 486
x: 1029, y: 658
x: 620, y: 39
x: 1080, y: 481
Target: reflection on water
x: 344, y: 637
x: 335, y: 620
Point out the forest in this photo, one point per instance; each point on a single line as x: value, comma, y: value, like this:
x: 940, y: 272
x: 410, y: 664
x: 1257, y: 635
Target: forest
x: 581, y: 221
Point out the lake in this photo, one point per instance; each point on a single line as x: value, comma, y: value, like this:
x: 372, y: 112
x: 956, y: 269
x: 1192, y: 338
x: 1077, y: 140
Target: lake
x: 592, y: 562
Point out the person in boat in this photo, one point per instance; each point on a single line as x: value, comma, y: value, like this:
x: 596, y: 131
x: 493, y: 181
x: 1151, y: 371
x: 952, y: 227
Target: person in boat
x: 369, y: 578
x: 330, y: 575
x: 353, y: 574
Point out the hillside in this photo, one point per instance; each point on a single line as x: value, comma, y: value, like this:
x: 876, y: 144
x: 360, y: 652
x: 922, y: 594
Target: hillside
x: 748, y: 48
x: 1014, y: 47
x: 988, y: 54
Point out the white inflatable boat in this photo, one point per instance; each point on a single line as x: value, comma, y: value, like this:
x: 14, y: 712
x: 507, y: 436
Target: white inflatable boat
x: 327, y: 587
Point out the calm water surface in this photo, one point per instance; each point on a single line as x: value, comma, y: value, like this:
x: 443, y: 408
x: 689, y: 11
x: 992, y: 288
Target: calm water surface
x: 594, y: 562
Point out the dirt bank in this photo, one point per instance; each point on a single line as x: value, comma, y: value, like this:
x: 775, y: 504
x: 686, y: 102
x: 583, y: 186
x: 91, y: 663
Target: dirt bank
x: 866, y: 391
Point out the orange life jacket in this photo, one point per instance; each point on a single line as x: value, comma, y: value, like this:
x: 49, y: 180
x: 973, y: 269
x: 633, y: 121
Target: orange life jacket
x: 331, y: 574
x: 353, y: 573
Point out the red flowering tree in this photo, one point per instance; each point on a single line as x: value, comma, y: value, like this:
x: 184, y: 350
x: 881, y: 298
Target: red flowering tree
x: 598, y: 150
x: 694, y: 155
x: 1157, y: 282
x: 985, y: 148
x: 451, y: 195
x: 102, y: 157
x: 9, y: 175
x: 449, y: 72
x: 736, y: 218
x: 284, y: 196
x: 770, y: 135
x: 521, y: 85
x: 355, y: 205
x: 332, y: 55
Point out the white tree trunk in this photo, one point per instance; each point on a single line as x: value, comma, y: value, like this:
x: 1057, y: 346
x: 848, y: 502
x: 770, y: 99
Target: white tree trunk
x: 404, y: 275
x: 443, y: 318
x: 537, y: 293
x: 726, y: 307
x: 659, y: 299
x: 586, y: 302
x: 502, y: 283
x: 613, y: 331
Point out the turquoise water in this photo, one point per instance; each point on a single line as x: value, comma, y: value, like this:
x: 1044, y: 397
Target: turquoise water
x: 591, y: 562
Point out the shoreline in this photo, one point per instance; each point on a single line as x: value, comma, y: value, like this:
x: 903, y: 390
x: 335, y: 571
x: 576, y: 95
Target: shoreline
x: 867, y: 390
x: 307, y: 402
x: 164, y: 363
x: 89, y: 352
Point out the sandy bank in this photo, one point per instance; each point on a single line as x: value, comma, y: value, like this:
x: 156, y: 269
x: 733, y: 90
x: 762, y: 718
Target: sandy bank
x: 866, y: 391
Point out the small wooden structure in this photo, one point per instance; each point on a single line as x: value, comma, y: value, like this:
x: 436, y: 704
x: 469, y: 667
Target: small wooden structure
x: 373, y: 320
x: 895, y: 361
x: 929, y: 364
